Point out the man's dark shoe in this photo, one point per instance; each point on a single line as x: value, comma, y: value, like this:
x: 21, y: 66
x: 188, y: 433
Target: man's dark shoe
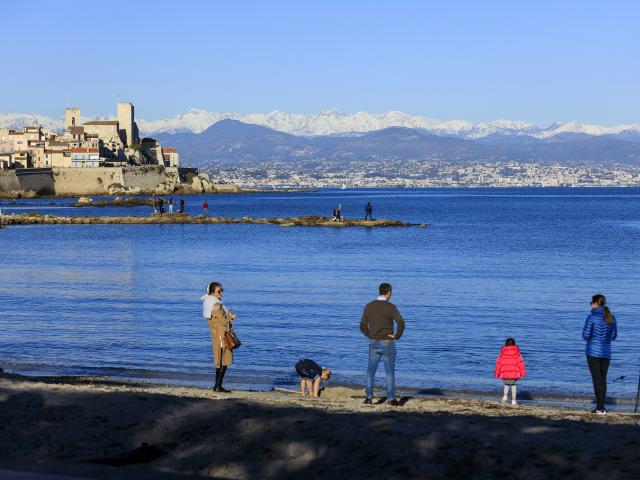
x: 368, y: 401
x: 221, y: 390
x: 394, y: 403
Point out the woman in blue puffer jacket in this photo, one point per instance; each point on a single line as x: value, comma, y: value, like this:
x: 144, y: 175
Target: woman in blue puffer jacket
x: 599, y: 330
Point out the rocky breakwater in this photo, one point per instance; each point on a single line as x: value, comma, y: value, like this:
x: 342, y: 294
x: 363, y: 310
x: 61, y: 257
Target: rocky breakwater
x: 182, y: 218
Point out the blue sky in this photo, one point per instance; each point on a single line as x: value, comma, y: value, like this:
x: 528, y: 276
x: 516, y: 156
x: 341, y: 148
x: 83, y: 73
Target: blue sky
x: 536, y: 61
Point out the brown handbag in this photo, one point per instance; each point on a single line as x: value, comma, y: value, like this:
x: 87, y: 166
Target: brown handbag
x: 231, y: 341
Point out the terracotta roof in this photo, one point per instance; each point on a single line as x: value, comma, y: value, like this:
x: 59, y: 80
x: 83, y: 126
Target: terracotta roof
x: 85, y: 150
x: 76, y: 130
x: 170, y: 150
x: 101, y: 122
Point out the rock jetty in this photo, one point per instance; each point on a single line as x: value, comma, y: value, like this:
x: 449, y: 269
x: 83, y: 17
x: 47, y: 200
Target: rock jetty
x: 178, y: 218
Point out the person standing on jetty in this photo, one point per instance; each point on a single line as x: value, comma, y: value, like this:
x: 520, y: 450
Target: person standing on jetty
x: 205, y: 209
x: 599, y: 330
x: 510, y: 368
x: 377, y: 325
x: 368, y: 211
x: 171, y: 205
x: 181, y: 205
x: 220, y: 321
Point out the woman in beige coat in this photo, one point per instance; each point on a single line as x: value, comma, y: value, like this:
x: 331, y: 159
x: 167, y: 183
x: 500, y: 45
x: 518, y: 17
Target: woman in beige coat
x: 220, y: 321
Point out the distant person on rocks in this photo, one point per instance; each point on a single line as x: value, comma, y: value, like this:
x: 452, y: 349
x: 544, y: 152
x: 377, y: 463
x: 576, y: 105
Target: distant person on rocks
x: 310, y: 375
x: 377, y: 325
x: 171, y: 205
x: 510, y: 368
x: 368, y: 211
x: 181, y: 205
x: 205, y: 209
x: 599, y: 330
x: 154, y: 202
x: 161, y: 205
x: 220, y: 320
x: 337, y: 214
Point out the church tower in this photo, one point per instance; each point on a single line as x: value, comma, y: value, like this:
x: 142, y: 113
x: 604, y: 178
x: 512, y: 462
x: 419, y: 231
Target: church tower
x: 71, y: 117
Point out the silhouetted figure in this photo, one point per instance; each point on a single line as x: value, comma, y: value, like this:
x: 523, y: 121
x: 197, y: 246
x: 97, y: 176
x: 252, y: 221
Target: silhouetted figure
x: 181, y: 205
x: 368, y: 211
x: 336, y: 216
x: 161, y: 206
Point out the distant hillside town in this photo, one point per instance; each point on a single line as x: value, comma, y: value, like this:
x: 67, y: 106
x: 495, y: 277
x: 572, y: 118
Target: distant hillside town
x: 96, y: 143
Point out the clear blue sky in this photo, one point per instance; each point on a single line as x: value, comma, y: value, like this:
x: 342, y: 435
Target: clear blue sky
x: 476, y: 60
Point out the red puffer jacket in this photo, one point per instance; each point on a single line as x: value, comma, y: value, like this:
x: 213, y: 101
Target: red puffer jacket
x: 510, y: 365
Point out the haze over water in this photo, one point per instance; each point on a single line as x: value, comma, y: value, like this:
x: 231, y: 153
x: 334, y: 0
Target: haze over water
x: 124, y: 300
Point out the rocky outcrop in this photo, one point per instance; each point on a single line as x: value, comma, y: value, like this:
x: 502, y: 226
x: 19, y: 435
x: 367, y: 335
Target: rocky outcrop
x: 117, y: 202
x: 19, y: 194
x: 183, y: 218
x: 83, y: 202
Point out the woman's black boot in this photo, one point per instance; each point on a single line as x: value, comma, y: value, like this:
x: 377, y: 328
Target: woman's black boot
x: 217, y: 384
x: 219, y: 387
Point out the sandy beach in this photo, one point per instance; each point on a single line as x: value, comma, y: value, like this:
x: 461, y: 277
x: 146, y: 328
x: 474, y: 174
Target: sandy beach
x: 96, y: 428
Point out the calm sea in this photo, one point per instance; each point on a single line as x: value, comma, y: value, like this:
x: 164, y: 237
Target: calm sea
x: 124, y: 300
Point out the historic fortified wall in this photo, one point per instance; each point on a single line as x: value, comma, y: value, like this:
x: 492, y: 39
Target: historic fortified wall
x: 88, y: 181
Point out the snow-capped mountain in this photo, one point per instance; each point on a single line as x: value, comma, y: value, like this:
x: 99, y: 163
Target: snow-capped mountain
x: 334, y: 122
x: 19, y: 120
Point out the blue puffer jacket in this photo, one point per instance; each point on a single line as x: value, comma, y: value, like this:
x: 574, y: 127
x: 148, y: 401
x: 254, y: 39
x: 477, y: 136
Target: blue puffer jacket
x: 599, y: 334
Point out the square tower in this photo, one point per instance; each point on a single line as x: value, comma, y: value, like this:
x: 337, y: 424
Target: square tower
x: 71, y: 117
x: 127, y: 122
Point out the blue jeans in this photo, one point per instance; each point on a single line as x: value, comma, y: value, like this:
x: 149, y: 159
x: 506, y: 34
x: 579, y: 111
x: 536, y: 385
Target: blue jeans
x: 385, y: 349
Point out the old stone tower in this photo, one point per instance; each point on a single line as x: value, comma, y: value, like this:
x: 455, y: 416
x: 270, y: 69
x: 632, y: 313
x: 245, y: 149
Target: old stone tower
x: 71, y: 117
x: 127, y: 123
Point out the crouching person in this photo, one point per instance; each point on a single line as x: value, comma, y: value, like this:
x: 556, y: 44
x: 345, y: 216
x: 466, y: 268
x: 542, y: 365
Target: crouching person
x: 310, y: 375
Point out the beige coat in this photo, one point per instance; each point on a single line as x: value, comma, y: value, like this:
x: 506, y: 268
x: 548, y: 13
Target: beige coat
x: 219, y: 323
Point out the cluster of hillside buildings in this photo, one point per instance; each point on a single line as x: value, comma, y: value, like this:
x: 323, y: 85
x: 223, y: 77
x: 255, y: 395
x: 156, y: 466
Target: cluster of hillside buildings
x: 97, y: 143
x: 419, y: 174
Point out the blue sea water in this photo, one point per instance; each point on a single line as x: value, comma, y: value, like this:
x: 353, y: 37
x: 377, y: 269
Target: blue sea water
x: 124, y: 300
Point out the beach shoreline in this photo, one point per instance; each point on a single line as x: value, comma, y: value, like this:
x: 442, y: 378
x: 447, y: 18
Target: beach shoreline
x: 527, y: 395
x: 96, y: 423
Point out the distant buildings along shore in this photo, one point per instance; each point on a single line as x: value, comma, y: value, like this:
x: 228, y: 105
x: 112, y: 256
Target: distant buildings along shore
x: 96, y: 143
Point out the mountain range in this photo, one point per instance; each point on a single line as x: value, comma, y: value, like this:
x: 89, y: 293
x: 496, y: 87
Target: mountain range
x: 206, y: 139
x: 330, y: 122
x: 231, y: 142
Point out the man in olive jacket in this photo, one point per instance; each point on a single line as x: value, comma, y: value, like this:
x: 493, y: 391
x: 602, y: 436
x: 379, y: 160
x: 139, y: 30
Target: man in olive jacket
x: 377, y: 325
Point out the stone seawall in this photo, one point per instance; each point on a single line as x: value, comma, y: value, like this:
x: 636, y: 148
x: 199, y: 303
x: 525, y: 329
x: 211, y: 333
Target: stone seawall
x: 106, y: 181
x: 9, y: 181
x: 103, y: 181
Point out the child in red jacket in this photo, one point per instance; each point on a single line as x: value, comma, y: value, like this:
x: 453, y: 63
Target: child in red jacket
x: 510, y: 368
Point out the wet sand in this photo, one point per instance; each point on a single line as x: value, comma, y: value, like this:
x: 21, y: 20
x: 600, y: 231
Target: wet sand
x: 95, y: 427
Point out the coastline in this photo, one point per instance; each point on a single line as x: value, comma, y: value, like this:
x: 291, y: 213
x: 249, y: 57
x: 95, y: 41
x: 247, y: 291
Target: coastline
x: 88, y: 423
